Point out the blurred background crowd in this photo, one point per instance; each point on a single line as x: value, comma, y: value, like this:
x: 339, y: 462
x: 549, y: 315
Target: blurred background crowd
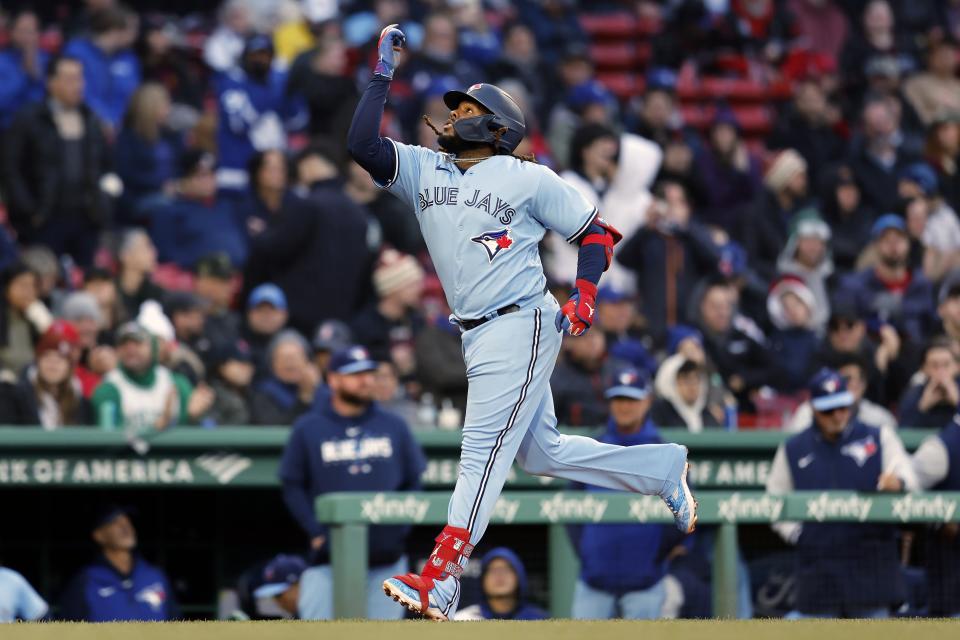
x: 185, y: 243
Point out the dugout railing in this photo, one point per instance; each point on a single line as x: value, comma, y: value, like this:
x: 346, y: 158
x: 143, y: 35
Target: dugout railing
x: 350, y: 514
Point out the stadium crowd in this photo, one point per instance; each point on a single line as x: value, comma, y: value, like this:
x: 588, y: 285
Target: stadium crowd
x: 185, y: 242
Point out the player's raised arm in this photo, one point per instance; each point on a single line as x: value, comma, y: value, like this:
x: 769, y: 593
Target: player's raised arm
x: 375, y: 154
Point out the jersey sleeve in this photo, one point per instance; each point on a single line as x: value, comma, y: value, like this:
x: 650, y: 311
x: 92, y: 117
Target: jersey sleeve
x: 30, y: 606
x: 405, y: 183
x: 558, y: 206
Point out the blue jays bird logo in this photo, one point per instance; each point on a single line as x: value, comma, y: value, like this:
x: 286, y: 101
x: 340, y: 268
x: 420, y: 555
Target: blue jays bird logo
x: 861, y: 450
x: 494, y: 242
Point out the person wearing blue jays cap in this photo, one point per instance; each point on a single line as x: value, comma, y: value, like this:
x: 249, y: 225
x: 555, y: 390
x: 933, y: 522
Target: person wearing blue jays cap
x: 937, y: 464
x: 624, y: 567
x: 843, y: 570
x: 281, y: 581
x: 889, y: 289
x: 348, y: 443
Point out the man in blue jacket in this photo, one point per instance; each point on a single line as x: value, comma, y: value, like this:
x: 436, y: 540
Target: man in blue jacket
x: 254, y: 111
x: 22, y: 66
x: 198, y: 221
x: 119, y: 584
x: 843, y: 570
x: 624, y: 566
x: 347, y: 443
x: 503, y: 580
x: 111, y: 70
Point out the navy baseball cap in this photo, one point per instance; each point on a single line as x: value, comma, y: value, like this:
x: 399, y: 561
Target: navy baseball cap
x: 885, y: 223
x: 352, y: 360
x: 923, y: 175
x: 258, y: 42
x: 611, y: 294
x: 106, y: 513
x: 280, y: 574
x: 268, y: 294
x: 629, y: 383
x: 828, y: 391
x: 332, y: 335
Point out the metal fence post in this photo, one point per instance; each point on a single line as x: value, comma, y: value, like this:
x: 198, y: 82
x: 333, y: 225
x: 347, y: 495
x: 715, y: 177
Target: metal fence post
x: 563, y: 570
x: 725, y: 572
x: 348, y: 555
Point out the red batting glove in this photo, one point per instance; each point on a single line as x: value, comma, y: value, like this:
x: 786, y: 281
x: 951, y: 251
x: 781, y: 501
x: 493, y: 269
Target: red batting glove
x: 576, y: 316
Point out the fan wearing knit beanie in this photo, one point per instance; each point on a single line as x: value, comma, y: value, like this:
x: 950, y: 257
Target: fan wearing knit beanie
x: 765, y: 226
x: 387, y: 327
x: 790, y: 306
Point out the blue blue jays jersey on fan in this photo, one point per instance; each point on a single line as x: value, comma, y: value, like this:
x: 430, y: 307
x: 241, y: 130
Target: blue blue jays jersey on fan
x: 483, y: 226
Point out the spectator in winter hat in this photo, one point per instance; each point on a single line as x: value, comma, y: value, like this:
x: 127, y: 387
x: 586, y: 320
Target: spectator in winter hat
x: 794, y: 340
x: 287, y: 392
x: 765, y: 225
x: 82, y: 311
x: 388, y: 328
x: 807, y: 255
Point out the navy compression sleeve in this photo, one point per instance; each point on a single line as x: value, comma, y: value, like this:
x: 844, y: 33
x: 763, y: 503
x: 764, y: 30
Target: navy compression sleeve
x: 592, y: 258
x: 373, y: 153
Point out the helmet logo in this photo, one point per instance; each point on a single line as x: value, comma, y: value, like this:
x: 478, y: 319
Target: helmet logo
x: 476, y: 86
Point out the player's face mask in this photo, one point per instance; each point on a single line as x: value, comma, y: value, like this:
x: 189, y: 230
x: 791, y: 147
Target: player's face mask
x: 468, y: 133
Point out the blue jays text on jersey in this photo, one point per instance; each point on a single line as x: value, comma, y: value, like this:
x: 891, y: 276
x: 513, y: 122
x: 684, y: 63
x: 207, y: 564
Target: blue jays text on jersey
x: 483, y: 226
x: 499, y: 209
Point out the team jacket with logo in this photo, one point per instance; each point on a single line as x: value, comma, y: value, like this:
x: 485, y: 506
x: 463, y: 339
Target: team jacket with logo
x: 100, y: 593
x: 327, y: 452
x: 843, y: 567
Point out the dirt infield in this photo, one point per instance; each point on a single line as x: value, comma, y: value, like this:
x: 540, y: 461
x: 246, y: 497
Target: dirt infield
x: 550, y: 630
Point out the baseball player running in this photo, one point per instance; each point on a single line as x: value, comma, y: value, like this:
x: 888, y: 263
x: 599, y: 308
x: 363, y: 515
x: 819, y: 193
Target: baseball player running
x: 482, y: 212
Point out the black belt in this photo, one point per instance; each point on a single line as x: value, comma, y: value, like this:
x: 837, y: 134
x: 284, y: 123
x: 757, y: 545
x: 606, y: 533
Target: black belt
x: 502, y: 311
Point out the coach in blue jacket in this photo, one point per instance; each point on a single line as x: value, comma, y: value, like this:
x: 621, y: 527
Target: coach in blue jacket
x: 119, y: 584
x: 624, y: 566
x: 843, y: 570
x: 348, y: 443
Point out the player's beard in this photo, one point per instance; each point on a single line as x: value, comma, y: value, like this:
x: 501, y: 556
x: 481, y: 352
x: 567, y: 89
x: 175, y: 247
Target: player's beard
x: 356, y: 400
x: 456, y: 145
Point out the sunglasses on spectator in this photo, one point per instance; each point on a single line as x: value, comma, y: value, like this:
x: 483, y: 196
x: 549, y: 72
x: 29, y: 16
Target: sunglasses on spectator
x: 836, y: 325
x: 830, y: 412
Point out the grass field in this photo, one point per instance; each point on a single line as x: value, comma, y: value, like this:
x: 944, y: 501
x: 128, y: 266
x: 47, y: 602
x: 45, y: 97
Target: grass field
x: 551, y: 630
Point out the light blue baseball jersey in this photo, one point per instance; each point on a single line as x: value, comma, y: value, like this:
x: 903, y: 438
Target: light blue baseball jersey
x: 483, y: 226
x: 18, y: 599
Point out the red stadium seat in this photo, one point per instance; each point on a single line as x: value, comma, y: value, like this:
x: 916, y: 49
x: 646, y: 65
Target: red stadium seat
x: 648, y: 27
x: 609, y: 25
x: 753, y: 119
x: 614, y: 56
x: 734, y: 89
x: 623, y: 85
